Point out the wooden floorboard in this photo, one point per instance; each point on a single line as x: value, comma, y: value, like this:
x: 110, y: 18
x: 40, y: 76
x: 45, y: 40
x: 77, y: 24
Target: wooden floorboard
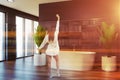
x: 24, y: 69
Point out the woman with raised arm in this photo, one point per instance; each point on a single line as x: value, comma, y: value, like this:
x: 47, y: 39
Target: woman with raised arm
x: 53, y: 49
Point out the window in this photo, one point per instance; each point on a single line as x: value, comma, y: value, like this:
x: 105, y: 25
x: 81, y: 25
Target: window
x: 28, y: 37
x: 20, y: 36
x: 2, y: 36
x: 35, y: 27
x: 24, y: 38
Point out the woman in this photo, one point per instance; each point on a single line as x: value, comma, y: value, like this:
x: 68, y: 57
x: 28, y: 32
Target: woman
x: 52, y: 50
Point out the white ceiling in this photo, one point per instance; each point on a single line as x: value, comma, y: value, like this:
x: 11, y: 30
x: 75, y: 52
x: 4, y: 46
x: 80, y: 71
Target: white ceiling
x: 28, y: 6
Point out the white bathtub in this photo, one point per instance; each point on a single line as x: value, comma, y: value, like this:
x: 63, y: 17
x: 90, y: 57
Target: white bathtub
x: 75, y: 60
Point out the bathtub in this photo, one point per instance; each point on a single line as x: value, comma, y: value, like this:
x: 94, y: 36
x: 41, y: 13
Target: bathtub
x: 75, y: 60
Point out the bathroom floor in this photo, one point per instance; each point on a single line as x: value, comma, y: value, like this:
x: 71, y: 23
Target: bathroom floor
x: 23, y: 69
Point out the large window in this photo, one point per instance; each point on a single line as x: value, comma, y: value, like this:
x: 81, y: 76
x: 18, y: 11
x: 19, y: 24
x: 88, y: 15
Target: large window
x: 20, y: 36
x: 2, y: 36
x: 28, y: 37
x: 24, y: 31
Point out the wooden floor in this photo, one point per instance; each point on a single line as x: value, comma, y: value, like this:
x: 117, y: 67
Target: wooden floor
x: 23, y: 69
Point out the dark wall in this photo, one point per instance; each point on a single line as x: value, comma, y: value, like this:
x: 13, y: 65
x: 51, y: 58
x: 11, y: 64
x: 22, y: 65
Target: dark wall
x: 80, y: 9
x: 80, y: 14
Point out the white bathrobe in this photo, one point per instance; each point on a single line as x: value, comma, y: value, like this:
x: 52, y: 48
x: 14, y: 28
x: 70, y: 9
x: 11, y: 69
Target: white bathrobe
x: 53, y: 47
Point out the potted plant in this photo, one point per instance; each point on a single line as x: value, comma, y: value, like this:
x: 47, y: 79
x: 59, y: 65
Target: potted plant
x: 108, y: 35
x: 38, y: 36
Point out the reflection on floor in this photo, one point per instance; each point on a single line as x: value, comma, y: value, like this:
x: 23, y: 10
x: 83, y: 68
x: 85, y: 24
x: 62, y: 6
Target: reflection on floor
x: 23, y: 69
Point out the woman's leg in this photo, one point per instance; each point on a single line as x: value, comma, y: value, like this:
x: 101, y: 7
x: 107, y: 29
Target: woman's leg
x: 56, y: 57
x: 49, y: 63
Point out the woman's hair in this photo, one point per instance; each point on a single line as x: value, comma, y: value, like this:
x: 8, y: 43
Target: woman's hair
x: 51, y: 36
x: 51, y: 33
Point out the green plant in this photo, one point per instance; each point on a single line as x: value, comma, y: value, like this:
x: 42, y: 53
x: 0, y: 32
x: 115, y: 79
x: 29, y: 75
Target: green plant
x: 108, y: 35
x: 39, y: 35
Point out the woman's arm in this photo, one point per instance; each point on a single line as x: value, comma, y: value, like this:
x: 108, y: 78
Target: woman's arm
x: 45, y: 40
x: 57, y: 23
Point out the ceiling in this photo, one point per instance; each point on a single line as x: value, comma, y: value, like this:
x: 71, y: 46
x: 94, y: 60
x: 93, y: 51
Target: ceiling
x: 28, y: 6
